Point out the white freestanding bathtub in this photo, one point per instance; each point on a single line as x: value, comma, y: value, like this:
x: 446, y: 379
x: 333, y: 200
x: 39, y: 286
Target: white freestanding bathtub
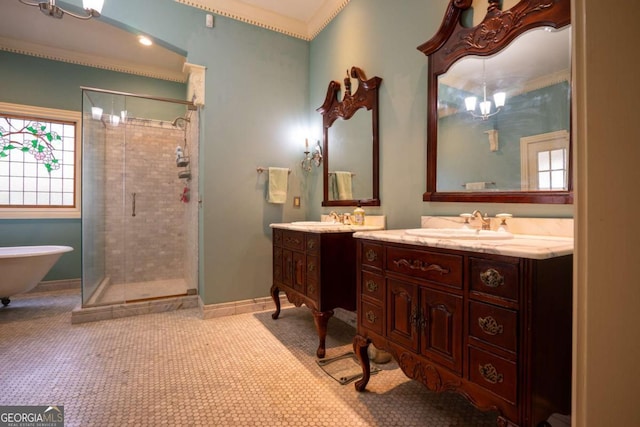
x: 23, y: 267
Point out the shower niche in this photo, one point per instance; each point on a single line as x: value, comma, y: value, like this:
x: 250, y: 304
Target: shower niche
x: 139, y: 231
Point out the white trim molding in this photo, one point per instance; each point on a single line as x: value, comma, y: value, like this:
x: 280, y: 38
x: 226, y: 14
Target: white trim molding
x: 270, y: 20
x: 195, y: 83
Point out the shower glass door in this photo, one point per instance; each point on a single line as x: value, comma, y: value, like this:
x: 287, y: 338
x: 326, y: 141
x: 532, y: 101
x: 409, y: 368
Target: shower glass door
x: 134, y: 227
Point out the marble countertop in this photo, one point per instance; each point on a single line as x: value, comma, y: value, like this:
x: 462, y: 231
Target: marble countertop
x: 371, y: 223
x: 332, y: 228
x: 522, y: 245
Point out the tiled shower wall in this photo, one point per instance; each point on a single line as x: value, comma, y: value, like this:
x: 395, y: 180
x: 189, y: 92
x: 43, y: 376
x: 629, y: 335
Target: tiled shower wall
x: 146, y: 243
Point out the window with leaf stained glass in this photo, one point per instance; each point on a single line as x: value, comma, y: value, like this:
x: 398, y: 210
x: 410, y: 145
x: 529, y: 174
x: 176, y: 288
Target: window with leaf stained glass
x: 38, y: 164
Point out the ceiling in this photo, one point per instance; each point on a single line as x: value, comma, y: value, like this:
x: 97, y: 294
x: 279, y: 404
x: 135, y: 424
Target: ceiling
x: 25, y: 30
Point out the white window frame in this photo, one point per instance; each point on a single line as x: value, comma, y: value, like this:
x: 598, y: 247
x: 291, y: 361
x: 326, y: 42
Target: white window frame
x: 544, y: 142
x: 19, y: 212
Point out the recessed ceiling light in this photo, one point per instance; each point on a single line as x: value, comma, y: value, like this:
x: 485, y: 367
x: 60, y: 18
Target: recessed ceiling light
x: 144, y: 40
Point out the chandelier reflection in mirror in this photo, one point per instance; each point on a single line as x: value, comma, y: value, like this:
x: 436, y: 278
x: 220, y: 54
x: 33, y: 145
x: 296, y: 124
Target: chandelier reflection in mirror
x: 485, y: 105
x: 311, y: 158
x: 93, y: 8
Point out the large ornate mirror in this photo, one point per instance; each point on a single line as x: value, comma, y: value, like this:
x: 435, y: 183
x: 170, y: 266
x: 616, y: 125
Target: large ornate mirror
x: 350, y: 145
x: 499, y: 121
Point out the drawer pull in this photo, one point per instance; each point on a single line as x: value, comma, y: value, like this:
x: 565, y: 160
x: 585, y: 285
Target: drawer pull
x: 311, y: 244
x: 310, y: 267
x: 371, y: 255
x: 490, y: 374
x: 492, y: 278
x: 489, y: 325
x: 372, y: 286
x: 416, y: 264
x: 311, y: 289
x: 371, y: 317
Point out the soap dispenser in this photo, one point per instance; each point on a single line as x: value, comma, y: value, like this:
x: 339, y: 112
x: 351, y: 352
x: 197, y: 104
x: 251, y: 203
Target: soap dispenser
x: 358, y: 215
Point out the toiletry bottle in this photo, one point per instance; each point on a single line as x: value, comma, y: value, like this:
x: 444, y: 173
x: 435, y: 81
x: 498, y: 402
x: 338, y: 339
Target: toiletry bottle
x: 358, y: 215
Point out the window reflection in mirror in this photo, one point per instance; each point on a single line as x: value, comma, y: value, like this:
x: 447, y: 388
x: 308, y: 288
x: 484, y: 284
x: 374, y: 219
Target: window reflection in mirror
x: 484, y: 153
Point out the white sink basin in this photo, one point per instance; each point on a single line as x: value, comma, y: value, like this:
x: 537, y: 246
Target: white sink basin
x: 316, y: 223
x: 459, y: 233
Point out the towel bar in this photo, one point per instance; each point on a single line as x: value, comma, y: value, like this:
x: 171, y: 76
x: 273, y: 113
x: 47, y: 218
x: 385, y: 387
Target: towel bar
x: 333, y: 173
x: 485, y: 182
x: 261, y: 169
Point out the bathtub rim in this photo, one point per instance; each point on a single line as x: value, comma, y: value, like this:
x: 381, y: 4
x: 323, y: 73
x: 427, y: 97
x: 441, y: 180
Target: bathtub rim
x: 29, y: 251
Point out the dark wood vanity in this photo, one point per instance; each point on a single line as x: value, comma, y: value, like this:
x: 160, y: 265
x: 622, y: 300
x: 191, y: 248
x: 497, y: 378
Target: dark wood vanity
x: 494, y: 328
x: 317, y: 270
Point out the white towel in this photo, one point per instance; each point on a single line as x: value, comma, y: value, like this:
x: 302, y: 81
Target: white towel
x: 475, y: 185
x: 278, y: 181
x: 343, y: 183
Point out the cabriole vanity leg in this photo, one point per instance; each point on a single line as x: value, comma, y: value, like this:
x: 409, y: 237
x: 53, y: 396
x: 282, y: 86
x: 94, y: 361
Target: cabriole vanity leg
x: 275, y: 294
x: 360, y: 346
x: 321, y: 319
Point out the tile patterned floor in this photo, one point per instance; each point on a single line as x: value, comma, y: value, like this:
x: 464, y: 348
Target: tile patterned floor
x: 175, y: 369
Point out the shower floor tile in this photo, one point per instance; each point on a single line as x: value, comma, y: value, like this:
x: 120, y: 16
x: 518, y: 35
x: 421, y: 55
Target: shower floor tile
x: 127, y: 292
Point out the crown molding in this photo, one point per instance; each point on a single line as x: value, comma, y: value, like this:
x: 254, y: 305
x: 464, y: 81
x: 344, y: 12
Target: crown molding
x: 87, y: 60
x: 263, y: 18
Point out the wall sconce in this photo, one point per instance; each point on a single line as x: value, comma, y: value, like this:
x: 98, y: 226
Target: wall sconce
x: 49, y: 8
x: 311, y: 157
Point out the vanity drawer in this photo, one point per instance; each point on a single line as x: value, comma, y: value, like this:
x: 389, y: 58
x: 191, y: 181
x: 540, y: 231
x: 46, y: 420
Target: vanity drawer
x: 495, y: 278
x: 277, y: 237
x: 312, y: 243
x: 371, y: 317
x: 372, y: 286
x: 372, y: 255
x: 494, y: 325
x: 313, y: 269
x: 436, y: 267
x: 293, y: 240
x: 493, y: 373
x: 312, y: 290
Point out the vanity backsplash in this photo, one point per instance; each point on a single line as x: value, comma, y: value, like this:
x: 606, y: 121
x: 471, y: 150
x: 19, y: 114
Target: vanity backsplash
x: 558, y: 227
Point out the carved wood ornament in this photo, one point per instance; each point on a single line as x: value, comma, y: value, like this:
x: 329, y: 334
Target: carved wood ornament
x: 366, y: 96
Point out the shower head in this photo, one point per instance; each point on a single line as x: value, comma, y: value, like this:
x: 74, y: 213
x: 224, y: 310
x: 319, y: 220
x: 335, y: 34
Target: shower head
x: 178, y: 119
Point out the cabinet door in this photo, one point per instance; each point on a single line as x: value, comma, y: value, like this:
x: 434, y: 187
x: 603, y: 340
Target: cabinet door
x: 299, y: 272
x: 441, y: 321
x: 287, y: 267
x: 402, y: 317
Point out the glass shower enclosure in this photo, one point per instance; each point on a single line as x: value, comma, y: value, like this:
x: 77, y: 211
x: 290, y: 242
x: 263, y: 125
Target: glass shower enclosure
x: 139, y: 225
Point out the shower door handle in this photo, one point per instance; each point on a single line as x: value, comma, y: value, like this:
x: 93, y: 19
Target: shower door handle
x: 133, y: 204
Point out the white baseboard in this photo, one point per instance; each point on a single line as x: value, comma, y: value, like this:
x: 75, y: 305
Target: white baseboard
x: 210, y: 311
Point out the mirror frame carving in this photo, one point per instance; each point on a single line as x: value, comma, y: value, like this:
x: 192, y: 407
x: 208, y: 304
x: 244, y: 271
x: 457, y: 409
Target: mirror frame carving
x: 452, y: 42
x: 366, y: 96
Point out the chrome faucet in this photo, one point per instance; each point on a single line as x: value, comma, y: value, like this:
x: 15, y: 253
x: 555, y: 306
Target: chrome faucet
x: 484, y: 219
